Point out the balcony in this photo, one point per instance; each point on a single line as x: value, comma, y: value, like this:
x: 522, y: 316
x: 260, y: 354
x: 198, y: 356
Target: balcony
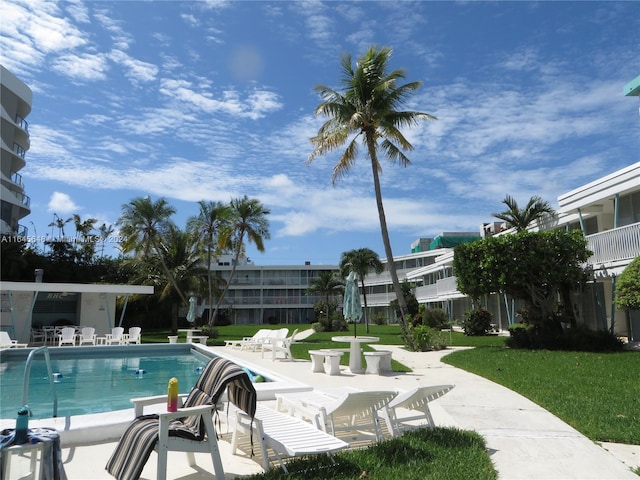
x: 17, y: 179
x: 22, y: 123
x: 19, y: 151
x: 614, y: 246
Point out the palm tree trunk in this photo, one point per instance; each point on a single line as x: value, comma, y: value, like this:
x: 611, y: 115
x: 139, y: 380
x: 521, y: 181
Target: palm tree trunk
x: 233, y: 271
x: 383, y: 227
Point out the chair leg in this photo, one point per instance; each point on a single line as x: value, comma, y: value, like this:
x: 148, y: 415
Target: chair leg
x: 213, y: 448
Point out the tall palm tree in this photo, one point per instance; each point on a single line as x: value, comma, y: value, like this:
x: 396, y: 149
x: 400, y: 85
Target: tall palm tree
x: 248, y: 219
x: 326, y: 285
x: 177, y: 251
x: 361, y: 261
x: 367, y: 112
x: 59, y: 223
x: 105, y: 232
x: 207, y: 227
x: 144, y: 224
x: 85, y: 238
x: 520, y: 219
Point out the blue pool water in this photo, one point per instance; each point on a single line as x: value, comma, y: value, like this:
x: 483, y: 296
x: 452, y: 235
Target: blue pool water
x: 96, y: 379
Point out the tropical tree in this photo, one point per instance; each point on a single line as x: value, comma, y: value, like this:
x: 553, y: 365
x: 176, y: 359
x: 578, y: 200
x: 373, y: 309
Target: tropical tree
x: 144, y: 225
x: 105, y: 231
x: 59, y: 223
x: 326, y: 285
x: 520, y: 219
x: 628, y: 287
x: 178, y: 253
x: 366, y: 111
x: 362, y: 261
x: 248, y: 219
x: 207, y: 227
x: 86, y: 240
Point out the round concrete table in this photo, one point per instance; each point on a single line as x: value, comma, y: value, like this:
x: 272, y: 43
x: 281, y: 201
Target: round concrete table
x: 355, y: 362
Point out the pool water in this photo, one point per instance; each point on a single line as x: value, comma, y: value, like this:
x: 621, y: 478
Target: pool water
x: 94, y: 384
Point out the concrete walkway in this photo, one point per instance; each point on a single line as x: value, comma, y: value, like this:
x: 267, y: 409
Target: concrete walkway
x: 525, y: 441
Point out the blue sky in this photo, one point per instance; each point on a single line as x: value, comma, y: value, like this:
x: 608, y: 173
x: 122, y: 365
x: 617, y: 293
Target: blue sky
x: 214, y: 100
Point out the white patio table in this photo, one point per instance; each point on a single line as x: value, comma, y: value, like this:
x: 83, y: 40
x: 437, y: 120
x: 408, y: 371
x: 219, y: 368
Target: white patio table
x: 355, y: 362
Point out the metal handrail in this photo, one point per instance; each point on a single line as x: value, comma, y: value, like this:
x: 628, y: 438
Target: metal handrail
x: 27, y: 373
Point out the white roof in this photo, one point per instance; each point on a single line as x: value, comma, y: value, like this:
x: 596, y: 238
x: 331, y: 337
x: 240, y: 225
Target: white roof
x: 74, y: 288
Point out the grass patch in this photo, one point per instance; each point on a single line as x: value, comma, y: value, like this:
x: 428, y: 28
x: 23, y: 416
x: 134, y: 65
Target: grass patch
x: 596, y: 393
x: 436, y: 454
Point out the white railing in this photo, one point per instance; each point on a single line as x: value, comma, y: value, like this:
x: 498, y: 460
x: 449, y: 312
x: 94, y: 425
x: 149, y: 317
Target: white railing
x: 447, y: 285
x: 621, y: 243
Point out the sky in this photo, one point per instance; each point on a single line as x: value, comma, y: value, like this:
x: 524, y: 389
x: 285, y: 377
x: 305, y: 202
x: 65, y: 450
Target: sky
x: 214, y: 100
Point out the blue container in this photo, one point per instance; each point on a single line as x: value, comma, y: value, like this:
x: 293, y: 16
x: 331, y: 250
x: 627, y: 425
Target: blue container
x: 22, y: 426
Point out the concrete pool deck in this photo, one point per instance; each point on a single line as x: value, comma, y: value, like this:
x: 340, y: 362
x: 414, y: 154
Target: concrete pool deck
x: 524, y: 441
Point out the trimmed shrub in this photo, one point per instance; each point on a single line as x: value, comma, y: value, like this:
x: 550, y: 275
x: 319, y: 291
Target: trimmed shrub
x: 435, y: 318
x: 477, y: 322
x: 423, y: 338
x: 575, y: 339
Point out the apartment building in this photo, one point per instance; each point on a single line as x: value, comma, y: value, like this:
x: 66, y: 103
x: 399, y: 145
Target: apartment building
x: 16, y: 99
x: 269, y: 294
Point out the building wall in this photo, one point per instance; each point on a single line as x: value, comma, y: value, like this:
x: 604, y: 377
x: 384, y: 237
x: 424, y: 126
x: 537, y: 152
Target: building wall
x: 15, y: 98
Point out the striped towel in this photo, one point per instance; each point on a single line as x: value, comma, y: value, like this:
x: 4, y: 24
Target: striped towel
x: 140, y: 438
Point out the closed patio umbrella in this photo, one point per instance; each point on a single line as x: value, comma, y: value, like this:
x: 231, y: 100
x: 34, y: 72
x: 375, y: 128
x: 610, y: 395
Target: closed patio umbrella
x: 351, y: 308
x: 191, y: 314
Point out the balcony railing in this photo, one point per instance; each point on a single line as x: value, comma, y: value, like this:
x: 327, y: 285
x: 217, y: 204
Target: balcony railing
x: 618, y: 244
x: 17, y: 179
x: 18, y: 150
x: 22, y: 123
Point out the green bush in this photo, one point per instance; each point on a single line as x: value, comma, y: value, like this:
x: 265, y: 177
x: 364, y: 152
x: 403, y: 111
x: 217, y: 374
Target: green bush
x: 423, y: 338
x: 574, y: 339
x: 379, y: 319
x: 477, y: 322
x: 211, y: 332
x: 435, y: 318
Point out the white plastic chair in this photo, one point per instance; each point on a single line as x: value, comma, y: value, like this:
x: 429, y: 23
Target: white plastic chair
x: 115, y: 337
x: 133, y: 336
x: 7, y: 342
x: 279, y: 345
x: 416, y: 400
x: 67, y: 336
x: 87, y: 336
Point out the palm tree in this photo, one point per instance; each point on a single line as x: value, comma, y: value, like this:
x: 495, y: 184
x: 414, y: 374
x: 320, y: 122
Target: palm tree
x: 248, y: 219
x: 520, y: 219
x: 367, y: 111
x: 178, y: 252
x: 207, y: 227
x: 144, y: 224
x: 59, y: 223
x: 361, y: 261
x: 326, y: 285
x: 85, y: 238
x: 105, y: 232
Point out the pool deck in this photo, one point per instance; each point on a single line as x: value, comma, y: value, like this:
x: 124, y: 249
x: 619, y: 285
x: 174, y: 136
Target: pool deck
x: 524, y: 441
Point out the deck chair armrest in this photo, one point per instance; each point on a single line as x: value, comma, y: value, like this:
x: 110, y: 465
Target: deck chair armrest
x: 141, y: 402
x: 187, y: 412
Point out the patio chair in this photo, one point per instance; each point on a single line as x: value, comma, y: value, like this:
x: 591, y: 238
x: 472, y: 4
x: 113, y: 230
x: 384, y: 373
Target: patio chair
x: 115, y: 337
x: 38, y: 335
x: 263, y: 332
x: 87, y: 336
x: 355, y: 412
x: 284, y: 435
x: 133, y: 336
x: 67, y: 336
x: 416, y: 399
x: 7, y: 342
x: 189, y: 429
x: 279, y: 345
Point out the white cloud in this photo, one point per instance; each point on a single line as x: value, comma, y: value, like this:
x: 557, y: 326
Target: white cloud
x: 61, y: 203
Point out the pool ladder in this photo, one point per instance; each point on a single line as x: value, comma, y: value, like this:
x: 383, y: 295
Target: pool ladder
x: 27, y: 374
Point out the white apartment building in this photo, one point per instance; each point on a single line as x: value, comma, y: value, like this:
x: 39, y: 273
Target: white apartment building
x: 269, y: 294
x: 16, y: 100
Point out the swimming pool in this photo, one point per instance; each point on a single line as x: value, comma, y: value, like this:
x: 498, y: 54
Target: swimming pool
x: 96, y: 379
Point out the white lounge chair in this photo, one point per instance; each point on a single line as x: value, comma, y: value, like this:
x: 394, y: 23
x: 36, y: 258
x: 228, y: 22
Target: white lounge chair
x: 133, y: 336
x: 115, y: 337
x: 67, y: 336
x: 256, y: 343
x: 416, y: 400
x: 354, y: 412
x: 279, y: 345
x: 284, y: 435
x: 263, y: 332
x: 87, y: 336
x: 7, y: 342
